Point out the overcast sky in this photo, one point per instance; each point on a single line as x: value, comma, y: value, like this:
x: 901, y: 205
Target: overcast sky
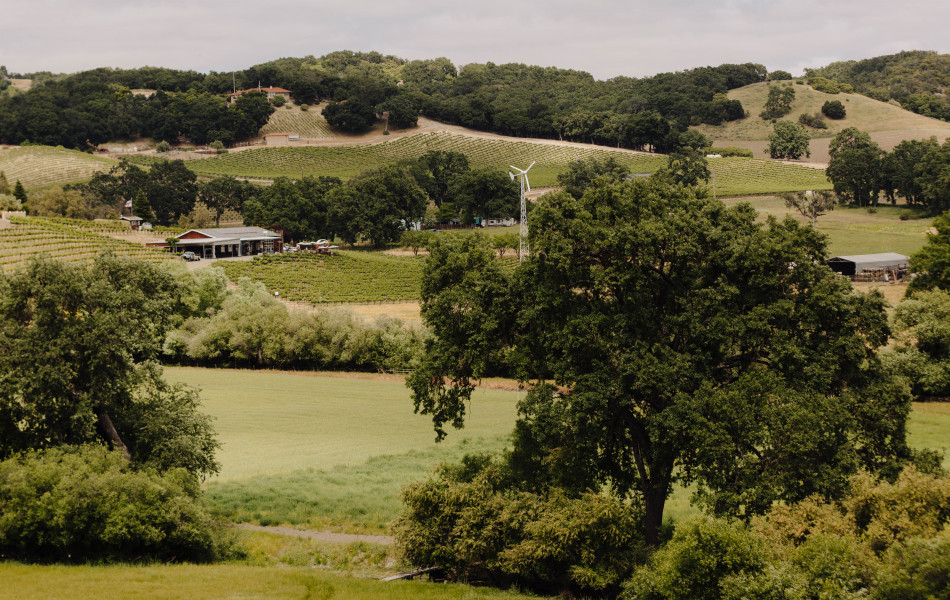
x: 604, y: 37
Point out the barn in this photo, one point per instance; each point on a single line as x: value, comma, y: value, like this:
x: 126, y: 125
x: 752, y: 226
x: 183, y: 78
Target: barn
x: 227, y: 242
x: 871, y: 265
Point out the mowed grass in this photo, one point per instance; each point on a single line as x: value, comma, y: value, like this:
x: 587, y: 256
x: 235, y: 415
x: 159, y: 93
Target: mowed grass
x: 329, y: 451
x: 38, y: 166
x: 215, y: 582
x: 855, y: 230
x: 348, y: 276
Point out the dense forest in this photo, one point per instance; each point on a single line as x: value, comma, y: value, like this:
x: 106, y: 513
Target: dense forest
x: 917, y: 79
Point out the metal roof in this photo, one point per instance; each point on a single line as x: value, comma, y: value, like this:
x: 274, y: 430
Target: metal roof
x: 229, y: 233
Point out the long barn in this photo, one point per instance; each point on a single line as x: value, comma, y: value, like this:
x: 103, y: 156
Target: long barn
x: 868, y: 263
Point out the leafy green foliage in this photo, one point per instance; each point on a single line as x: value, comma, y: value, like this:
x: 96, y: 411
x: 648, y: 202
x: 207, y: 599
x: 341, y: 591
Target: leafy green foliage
x: 815, y: 121
x: 932, y: 263
x: 833, y: 109
x: 788, y: 140
x: 705, y: 277
x: 377, y: 205
x: 810, y: 206
x: 252, y: 327
x: 917, y: 571
x: 87, y: 504
x: 75, y: 346
x: 855, y: 166
x: 468, y: 521
x: 688, y: 167
x: 779, y: 102
x: 922, y: 331
x: 779, y: 75
x: 353, y: 115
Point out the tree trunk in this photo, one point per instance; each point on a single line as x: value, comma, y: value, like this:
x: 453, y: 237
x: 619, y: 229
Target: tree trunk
x: 654, y: 502
x: 108, y: 431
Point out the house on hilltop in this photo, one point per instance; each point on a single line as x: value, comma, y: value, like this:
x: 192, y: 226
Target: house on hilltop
x: 226, y: 242
x: 271, y: 92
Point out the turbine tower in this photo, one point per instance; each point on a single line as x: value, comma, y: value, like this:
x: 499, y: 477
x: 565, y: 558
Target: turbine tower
x: 522, y: 175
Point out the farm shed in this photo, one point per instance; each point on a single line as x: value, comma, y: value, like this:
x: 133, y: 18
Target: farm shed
x: 228, y: 241
x: 868, y: 263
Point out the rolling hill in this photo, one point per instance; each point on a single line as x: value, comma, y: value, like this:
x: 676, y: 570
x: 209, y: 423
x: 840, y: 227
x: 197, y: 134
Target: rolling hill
x: 38, y: 166
x: 887, y: 123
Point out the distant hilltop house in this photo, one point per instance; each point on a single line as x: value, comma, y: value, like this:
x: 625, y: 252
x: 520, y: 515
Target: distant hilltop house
x: 271, y: 92
x: 285, y: 138
x: 226, y: 242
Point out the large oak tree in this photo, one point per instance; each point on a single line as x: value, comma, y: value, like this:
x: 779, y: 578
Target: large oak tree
x: 687, y: 342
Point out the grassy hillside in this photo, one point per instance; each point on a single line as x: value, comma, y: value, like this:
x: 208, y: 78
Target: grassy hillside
x: 38, y: 166
x: 733, y: 175
x: 889, y: 124
x: 310, y: 125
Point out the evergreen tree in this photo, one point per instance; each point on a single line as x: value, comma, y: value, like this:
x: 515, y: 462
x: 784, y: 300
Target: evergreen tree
x: 141, y: 207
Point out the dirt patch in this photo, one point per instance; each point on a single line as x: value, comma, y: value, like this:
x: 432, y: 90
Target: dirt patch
x: 321, y: 536
x: 893, y: 292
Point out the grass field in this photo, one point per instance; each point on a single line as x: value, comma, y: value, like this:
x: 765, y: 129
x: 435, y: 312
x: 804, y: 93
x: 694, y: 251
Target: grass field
x: 733, y: 175
x: 329, y: 451
x: 39, y: 166
x: 215, y: 582
x: 67, y: 240
x: 333, y: 452
x: 855, y: 230
x: 887, y: 123
x: 348, y: 276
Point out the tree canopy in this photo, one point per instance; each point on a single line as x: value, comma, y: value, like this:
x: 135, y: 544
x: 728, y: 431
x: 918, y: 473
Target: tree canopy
x: 76, y: 352
x: 686, y: 342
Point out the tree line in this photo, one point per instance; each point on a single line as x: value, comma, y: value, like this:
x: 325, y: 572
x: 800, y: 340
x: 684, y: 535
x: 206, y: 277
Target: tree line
x: 514, y: 99
x: 916, y: 170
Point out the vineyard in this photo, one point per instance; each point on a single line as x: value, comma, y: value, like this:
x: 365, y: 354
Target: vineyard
x: 349, y: 276
x: 347, y: 161
x: 61, y: 239
x: 38, y: 166
x: 310, y: 124
x: 734, y: 176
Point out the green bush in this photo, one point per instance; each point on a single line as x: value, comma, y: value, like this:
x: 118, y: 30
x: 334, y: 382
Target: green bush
x: 162, y: 147
x: 823, y: 84
x: 833, y: 109
x: 469, y: 521
x: 779, y: 75
x: 919, y: 570
x: 85, y: 503
x: 304, y: 107
x: 727, y: 151
x: 698, y: 563
x: 815, y: 121
x: 278, y: 101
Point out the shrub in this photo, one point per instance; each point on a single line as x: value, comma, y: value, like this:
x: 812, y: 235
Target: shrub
x: 905, y: 215
x: 918, y: 571
x: 833, y: 109
x: 278, y: 101
x: 779, y: 75
x: 823, y: 84
x: 726, y: 151
x: 469, y: 521
x: 815, y: 121
x: 85, y: 503
x: 162, y: 147
x: 698, y: 562
x: 304, y: 107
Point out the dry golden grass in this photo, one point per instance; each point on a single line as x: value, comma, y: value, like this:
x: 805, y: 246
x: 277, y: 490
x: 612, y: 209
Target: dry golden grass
x: 888, y: 124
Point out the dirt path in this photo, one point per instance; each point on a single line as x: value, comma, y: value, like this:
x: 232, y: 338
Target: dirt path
x: 320, y: 536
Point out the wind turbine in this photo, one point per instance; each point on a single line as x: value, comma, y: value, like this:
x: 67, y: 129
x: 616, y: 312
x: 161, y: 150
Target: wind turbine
x: 522, y: 175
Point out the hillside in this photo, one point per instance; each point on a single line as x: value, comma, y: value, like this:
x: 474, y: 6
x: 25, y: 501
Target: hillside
x: 38, y: 166
x: 310, y: 124
x: 888, y: 124
x: 917, y: 79
x: 733, y: 175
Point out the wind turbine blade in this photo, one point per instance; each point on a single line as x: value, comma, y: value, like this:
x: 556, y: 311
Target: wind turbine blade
x: 516, y: 168
x: 529, y: 166
x: 512, y: 175
x: 527, y: 186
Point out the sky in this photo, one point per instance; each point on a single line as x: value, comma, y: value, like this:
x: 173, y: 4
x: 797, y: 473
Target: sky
x: 606, y: 38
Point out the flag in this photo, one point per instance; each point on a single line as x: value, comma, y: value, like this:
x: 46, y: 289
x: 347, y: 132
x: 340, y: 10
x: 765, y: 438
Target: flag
x: 128, y: 204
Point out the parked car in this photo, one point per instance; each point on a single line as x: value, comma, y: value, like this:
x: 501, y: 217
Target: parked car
x: 190, y: 256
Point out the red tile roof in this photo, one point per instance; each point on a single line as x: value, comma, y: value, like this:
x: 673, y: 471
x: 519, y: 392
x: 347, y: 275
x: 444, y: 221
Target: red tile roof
x: 270, y: 90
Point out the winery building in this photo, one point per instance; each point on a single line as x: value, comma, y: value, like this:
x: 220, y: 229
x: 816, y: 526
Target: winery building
x: 226, y: 242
